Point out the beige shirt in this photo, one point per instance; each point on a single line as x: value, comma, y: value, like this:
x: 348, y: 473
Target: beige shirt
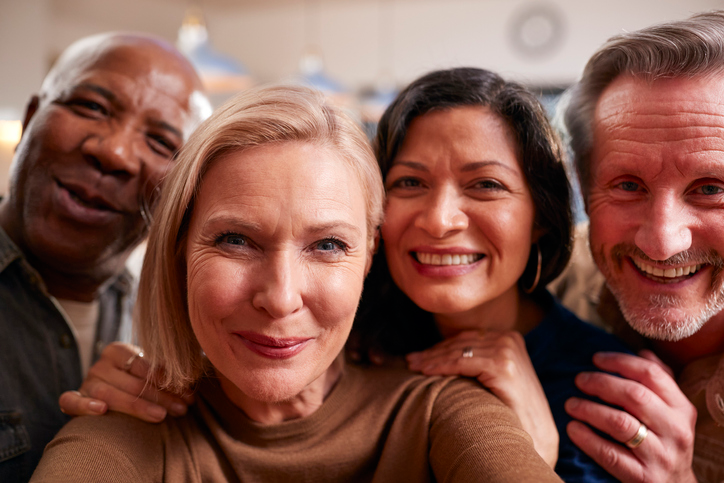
x: 379, y: 425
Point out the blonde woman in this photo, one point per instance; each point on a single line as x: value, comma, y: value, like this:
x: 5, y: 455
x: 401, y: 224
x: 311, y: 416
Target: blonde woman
x: 255, y: 266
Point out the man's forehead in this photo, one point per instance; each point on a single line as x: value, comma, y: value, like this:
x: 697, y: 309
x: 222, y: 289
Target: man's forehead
x: 636, y: 95
x: 155, y: 74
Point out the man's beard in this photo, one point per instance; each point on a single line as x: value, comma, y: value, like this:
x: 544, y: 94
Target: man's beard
x: 660, y: 316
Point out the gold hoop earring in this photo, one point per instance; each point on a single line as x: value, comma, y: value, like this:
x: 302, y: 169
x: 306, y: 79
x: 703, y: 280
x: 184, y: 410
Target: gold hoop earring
x: 537, y: 272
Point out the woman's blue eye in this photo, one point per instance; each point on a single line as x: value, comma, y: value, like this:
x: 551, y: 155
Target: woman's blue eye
x: 232, y: 239
x: 331, y: 245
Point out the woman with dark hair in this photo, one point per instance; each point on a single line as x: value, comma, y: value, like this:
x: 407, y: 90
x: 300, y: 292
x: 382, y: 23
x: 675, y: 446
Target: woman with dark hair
x: 477, y: 222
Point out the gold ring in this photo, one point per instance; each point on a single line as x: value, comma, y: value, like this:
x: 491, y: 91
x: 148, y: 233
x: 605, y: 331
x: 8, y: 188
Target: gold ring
x: 639, y: 437
x: 129, y: 362
x: 467, y: 352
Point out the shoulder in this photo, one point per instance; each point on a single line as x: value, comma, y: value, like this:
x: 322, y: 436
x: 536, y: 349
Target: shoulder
x: 113, y: 447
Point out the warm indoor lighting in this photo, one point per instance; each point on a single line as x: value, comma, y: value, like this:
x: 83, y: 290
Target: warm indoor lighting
x: 219, y: 73
x: 10, y: 132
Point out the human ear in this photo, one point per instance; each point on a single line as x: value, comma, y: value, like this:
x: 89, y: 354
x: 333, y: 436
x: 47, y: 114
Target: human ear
x: 30, y: 111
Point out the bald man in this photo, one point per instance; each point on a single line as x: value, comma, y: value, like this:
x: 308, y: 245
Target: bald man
x: 97, y: 141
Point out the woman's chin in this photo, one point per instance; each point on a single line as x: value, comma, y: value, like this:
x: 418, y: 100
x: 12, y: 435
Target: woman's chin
x: 267, y: 387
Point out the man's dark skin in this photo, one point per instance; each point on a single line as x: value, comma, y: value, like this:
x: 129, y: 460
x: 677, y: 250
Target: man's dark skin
x: 97, y: 141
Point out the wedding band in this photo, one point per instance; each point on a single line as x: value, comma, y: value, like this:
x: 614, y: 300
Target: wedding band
x: 467, y: 352
x: 639, y: 437
x: 129, y: 362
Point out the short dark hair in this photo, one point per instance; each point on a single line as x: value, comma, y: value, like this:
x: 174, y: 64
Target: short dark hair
x: 540, y: 155
x: 681, y: 49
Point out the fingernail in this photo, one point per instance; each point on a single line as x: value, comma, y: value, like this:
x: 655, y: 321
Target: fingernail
x: 583, y: 377
x: 602, y: 356
x: 97, y: 407
x: 572, y: 403
x: 156, y: 413
x: 178, y: 409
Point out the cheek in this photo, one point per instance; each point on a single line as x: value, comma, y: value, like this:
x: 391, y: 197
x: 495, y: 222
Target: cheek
x: 334, y: 294
x: 214, y: 287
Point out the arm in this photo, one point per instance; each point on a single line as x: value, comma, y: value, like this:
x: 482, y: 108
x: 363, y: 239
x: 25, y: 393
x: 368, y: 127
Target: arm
x: 501, y: 363
x: 114, y: 384
x: 475, y: 437
x: 648, y: 394
x: 111, y: 449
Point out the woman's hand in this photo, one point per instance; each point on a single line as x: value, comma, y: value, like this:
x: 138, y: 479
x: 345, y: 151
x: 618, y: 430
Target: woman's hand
x: 501, y: 363
x: 647, y: 393
x: 117, y: 381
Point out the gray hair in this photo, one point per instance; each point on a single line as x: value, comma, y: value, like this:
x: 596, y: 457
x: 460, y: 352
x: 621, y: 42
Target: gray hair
x: 681, y: 49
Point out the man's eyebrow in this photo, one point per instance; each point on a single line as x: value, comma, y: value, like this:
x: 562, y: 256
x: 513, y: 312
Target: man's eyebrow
x: 166, y: 126
x: 113, y: 98
x: 99, y: 90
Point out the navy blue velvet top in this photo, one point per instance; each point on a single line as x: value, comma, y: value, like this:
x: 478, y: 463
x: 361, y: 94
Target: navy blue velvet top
x: 560, y: 347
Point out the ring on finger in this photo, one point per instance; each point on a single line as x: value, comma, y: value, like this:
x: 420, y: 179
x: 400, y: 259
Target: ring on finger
x: 639, y: 437
x: 127, y: 365
x: 467, y: 352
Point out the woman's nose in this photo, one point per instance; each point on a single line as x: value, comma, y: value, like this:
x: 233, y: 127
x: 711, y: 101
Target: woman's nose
x: 664, y: 230
x: 279, y: 291
x: 443, y: 215
x: 112, y: 151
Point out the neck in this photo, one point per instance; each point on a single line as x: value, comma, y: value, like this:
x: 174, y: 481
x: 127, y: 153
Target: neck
x: 510, y: 311
x: 303, y: 404
x: 707, y: 341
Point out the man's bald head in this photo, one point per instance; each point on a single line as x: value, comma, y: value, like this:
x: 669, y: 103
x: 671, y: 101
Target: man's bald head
x: 97, y: 141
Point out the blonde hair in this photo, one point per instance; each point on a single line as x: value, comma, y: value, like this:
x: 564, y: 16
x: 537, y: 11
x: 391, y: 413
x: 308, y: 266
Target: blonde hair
x: 682, y: 49
x: 258, y: 117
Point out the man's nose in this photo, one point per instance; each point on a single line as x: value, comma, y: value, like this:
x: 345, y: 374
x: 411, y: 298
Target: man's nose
x: 665, y: 229
x: 279, y: 291
x: 443, y: 215
x: 113, y: 151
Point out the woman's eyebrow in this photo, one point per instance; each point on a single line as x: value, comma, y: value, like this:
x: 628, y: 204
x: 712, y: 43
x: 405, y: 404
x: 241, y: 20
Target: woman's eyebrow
x: 481, y: 164
x: 411, y: 164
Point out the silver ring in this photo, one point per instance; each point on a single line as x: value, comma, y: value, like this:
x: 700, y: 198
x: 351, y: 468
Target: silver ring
x: 639, y: 437
x: 467, y: 352
x: 129, y: 362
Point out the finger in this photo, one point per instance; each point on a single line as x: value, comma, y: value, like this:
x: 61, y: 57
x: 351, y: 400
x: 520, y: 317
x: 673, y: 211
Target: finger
x: 132, y: 388
x: 73, y: 403
x: 647, y: 354
x: 453, y: 348
x: 121, y: 401
x: 445, y: 355
x: 628, y: 394
x: 650, y: 374
x: 614, y: 458
x: 618, y: 424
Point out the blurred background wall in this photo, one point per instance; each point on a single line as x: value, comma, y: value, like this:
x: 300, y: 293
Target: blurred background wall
x: 362, y: 47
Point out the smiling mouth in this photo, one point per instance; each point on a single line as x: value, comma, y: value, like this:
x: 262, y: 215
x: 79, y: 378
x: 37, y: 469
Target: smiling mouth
x: 447, y: 258
x: 94, y: 204
x: 673, y: 274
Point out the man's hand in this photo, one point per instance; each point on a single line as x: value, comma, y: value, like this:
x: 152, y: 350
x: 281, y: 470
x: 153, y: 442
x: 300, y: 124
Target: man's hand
x: 117, y: 381
x: 648, y: 394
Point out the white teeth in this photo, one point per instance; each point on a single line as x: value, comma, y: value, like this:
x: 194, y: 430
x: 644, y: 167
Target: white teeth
x: 667, y: 273
x: 447, y: 259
